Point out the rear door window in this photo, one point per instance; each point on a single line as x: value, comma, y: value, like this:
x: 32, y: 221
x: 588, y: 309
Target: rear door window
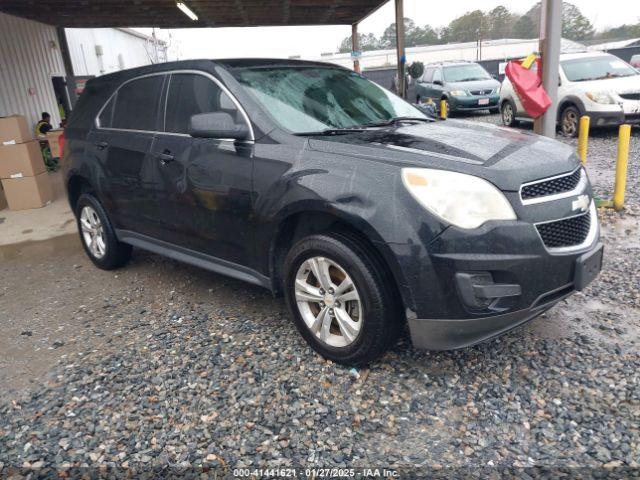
x: 137, y: 104
x: 191, y: 94
x: 428, y: 75
x: 437, y: 75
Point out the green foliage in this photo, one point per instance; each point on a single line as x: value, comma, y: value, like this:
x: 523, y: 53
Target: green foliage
x: 575, y: 26
x: 367, y: 41
x: 493, y: 24
x: 621, y: 32
x: 525, y: 28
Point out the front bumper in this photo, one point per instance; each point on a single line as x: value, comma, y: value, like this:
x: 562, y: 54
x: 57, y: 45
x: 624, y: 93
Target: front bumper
x: 453, y: 333
x: 472, y: 103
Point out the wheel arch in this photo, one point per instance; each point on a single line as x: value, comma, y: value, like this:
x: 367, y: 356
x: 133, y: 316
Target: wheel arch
x: 76, y: 186
x: 298, y: 224
x: 570, y: 101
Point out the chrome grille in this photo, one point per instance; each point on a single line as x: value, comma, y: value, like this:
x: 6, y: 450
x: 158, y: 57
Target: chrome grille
x: 554, y: 186
x: 568, y: 232
x: 478, y: 93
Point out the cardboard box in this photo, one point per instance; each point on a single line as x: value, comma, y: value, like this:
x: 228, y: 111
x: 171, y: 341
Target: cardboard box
x: 28, y: 192
x: 3, y: 199
x: 53, y: 137
x: 14, y: 129
x: 21, y: 160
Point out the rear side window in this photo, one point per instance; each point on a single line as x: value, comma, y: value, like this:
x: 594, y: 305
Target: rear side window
x: 136, y: 104
x: 106, y: 116
x: 191, y: 94
x: 428, y: 75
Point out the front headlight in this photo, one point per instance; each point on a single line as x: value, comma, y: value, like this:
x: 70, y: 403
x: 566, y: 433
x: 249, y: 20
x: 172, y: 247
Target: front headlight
x: 463, y: 200
x: 601, y: 97
x: 458, y: 93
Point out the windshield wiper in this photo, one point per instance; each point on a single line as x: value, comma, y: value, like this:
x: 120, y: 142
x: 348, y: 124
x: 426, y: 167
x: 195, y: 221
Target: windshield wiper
x: 395, y: 120
x: 331, y: 131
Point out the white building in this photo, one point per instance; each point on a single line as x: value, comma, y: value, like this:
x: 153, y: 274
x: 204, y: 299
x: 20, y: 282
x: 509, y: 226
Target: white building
x: 491, y: 50
x: 32, y: 73
x: 96, y: 51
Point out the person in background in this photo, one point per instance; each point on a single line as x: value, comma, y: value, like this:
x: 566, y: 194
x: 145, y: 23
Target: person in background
x: 44, y: 125
x: 42, y: 128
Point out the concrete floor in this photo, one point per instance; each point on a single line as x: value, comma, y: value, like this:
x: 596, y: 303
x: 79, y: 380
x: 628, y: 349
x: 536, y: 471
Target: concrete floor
x: 38, y: 224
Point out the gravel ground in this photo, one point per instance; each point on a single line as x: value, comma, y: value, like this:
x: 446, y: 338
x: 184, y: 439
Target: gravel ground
x: 163, y: 365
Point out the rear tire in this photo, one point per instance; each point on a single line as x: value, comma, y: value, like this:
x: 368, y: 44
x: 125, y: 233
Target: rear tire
x: 508, y: 114
x: 318, y: 306
x: 97, y: 235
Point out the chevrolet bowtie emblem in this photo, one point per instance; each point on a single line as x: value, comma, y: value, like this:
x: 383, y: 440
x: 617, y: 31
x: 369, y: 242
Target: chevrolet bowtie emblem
x: 581, y: 203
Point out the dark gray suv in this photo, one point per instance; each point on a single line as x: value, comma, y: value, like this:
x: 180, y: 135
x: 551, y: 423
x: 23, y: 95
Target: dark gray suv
x: 311, y: 181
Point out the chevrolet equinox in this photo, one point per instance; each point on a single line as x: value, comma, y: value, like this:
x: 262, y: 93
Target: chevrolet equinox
x: 309, y: 180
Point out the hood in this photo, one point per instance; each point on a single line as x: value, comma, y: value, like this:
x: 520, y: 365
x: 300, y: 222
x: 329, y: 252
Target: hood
x: 489, y: 84
x: 505, y: 157
x: 629, y: 84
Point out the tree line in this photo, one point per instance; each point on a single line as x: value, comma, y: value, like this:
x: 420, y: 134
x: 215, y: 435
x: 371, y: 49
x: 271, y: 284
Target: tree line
x: 488, y: 25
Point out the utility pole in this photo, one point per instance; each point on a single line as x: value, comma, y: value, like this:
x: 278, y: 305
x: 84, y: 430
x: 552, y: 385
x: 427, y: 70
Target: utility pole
x: 402, y: 58
x: 355, y: 47
x: 550, y: 40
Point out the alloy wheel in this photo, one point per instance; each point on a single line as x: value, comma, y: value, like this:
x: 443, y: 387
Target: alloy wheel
x: 507, y: 114
x: 93, y: 232
x: 328, y: 301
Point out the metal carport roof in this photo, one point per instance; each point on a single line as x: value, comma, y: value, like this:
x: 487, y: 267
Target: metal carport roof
x: 211, y: 13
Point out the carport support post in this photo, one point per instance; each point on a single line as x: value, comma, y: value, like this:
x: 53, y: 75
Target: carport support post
x: 355, y: 47
x: 68, y: 66
x: 400, y: 45
x: 550, y: 38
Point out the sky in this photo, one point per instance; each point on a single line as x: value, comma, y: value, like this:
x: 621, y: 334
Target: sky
x: 310, y: 42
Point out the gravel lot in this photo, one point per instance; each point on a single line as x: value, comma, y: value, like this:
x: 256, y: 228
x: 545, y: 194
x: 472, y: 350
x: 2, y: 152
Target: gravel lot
x: 161, y: 364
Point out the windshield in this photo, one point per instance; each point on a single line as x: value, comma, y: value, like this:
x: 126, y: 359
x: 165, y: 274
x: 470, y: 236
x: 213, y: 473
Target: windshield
x: 312, y: 99
x: 596, y: 68
x: 465, y: 73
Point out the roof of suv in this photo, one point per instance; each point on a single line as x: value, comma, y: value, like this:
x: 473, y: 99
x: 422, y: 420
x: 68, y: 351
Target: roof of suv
x: 573, y: 56
x: 226, y: 62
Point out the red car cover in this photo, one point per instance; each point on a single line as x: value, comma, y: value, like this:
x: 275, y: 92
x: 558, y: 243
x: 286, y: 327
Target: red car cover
x: 528, y: 86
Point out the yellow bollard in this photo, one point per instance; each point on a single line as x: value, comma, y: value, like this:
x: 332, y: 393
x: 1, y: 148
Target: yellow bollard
x: 583, y: 138
x: 624, y: 140
x: 443, y: 109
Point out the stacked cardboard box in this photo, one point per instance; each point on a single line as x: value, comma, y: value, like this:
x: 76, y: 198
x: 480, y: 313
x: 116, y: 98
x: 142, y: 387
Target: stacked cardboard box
x: 53, y: 137
x: 24, y: 177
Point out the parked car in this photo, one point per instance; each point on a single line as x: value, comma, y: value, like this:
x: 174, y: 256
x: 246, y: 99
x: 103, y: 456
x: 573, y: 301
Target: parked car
x: 465, y: 86
x: 597, y: 84
x: 309, y: 180
x: 635, y: 61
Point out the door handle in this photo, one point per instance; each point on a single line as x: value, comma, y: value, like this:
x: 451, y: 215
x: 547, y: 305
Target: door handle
x: 166, y: 157
x: 101, y: 145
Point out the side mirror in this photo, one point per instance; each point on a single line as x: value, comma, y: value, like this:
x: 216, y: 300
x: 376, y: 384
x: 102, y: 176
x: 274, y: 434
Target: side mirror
x: 217, y: 125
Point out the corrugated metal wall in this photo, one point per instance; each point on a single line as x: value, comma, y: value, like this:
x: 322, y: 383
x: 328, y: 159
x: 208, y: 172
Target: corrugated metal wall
x: 29, y: 57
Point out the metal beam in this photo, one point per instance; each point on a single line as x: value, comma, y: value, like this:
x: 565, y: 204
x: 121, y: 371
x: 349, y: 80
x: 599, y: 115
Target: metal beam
x: 70, y: 79
x: 550, y: 42
x: 400, y: 48
x: 355, y: 46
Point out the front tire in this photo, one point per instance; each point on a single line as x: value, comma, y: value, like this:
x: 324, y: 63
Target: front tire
x: 569, y: 121
x: 97, y: 235
x: 340, y: 298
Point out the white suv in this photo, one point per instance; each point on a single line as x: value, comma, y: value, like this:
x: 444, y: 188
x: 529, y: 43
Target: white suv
x: 597, y: 84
